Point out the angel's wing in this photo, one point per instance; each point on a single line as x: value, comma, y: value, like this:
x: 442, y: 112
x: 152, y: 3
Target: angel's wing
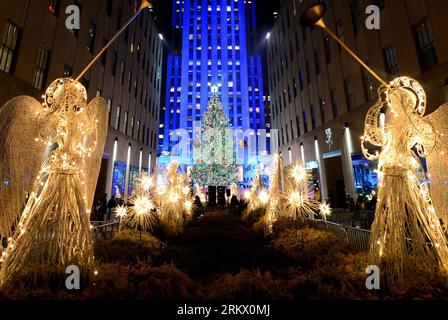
x: 97, y: 110
x: 20, y: 158
x: 437, y: 162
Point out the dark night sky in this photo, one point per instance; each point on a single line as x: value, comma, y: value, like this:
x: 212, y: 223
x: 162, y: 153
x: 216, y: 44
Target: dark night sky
x: 265, y: 9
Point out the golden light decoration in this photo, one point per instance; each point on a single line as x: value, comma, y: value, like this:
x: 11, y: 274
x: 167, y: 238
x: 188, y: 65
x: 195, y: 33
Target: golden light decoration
x: 55, y: 225
x: 299, y: 205
x: 296, y: 199
x: 234, y: 190
x: 174, y: 202
x: 258, y: 198
x: 325, y: 210
x: 145, y: 181
x: 173, y: 197
x: 403, y: 199
x: 121, y: 212
x: 142, y: 205
x: 186, y: 190
x: 247, y: 195
x: 299, y: 173
x: 56, y: 209
x: 264, y: 197
x: 275, y: 206
x: 162, y: 191
x: 141, y: 215
x: 188, y: 205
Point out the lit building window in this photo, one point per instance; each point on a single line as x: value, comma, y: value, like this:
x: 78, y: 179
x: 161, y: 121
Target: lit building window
x: 8, y: 49
x: 40, y: 73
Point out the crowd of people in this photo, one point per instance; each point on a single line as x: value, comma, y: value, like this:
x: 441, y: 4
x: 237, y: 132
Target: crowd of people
x: 103, y: 209
x: 363, y: 203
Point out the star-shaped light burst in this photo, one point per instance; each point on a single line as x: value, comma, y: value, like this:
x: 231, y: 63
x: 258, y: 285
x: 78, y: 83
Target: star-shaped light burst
x: 296, y: 199
x: 142, y: 205
x: 140, y: 213
x: 186, y: 190
x: 145, y: 181
x: 325, y: 210
x: 298, y: 203
x: 121, y: 212
x: 299, y: 173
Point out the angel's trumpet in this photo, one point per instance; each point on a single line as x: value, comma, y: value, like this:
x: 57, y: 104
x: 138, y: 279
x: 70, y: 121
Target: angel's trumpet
x: 145, y: 4
x: 313, y: 16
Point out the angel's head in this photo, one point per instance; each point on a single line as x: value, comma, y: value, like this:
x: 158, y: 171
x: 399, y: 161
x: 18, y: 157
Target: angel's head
x: 66, y: 95
x: 406, y: 97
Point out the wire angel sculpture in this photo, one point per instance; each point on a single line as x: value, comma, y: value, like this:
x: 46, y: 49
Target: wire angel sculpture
x: 53, y: 228
x: 175, y: 202
x: 405, y: 219
x: 274, y: 207
x: 437, y: 163
x: 257, y: 199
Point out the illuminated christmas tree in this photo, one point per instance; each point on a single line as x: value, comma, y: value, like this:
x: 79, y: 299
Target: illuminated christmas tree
x: 215, y: 165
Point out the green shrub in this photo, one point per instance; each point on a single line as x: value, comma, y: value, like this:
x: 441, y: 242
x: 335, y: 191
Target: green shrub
x: 417, y: 282
x: 39, y: 282
x: 258, y: 227
x: 141, y: 283
x: 114, y: 282
x: 164, y: 283
x: 246, y: 285
x: 127, y: 248
x: 252, y: 216
x: 344, y: 278
x: 285, y: 223
x: 310, y: 247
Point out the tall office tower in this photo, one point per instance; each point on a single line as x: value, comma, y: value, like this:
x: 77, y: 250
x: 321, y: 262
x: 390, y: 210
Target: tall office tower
x: 215, y: 43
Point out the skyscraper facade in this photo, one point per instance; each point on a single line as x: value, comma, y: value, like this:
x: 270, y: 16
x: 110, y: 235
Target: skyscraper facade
x: 214, y: 50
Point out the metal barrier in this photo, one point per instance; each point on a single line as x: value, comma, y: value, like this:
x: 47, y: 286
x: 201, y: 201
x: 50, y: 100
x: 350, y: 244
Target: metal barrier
x: 356, y: 236
x: 358, y: 219
x: 105, y: 231
x: 359, y: 237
